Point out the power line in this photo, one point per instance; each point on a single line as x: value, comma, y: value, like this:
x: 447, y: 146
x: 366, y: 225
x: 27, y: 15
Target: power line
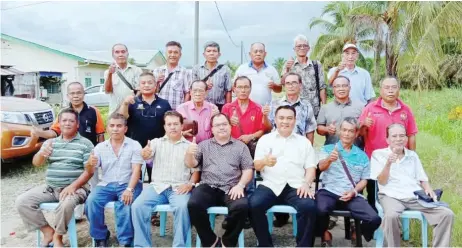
x: 25, y: 5
x: 225, y: 25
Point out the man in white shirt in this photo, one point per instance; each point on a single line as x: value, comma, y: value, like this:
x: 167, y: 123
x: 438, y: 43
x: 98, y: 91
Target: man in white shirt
x: 399, y: 174
x: 287, y: 163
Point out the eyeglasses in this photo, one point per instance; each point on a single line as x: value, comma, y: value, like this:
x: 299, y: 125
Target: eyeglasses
x: 291, y: 83
x: 243, y: 87
x: 224, y: 124
x: 341, y: 86
x: 301, y: 46
x: 145, y: 111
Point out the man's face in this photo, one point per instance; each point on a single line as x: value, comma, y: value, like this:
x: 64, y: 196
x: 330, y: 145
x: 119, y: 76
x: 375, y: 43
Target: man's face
x: 75, y: 93
x: 116, y: 128
x: 173, y: 126
x: 292, y: 85
x: 147, y: 85
x: 242, y: 89
x: 221, y: 127
x: 285, y: 121
x: 173, y: 54
x: 211, y: 54
x: 301, y: 48
x: 397, y: 138
x: 257, y: 53
x: 120, y: 54
x: 198, y: 92
x: 389, y: 90
x: 68, y: 124
x: 341, y: 88
x: 350, y: 56
x: 348, y: 133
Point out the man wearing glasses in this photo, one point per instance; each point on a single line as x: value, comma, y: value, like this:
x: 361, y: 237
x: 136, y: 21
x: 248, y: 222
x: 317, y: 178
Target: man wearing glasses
x: 314, y: 87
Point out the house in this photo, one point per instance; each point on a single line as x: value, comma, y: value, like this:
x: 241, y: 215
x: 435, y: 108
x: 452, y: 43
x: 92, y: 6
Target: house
x: 57, y: 64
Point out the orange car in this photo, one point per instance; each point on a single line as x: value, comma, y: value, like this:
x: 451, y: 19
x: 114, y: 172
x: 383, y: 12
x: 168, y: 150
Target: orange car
x: 18, y: 116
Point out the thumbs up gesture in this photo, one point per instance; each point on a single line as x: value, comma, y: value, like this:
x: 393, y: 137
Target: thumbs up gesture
x: 266, y: 109
x: 332, y: 128
x: 92, y: 162
x: 47, y: 149
x: 209, y: 84
x: 234, y: 118
x: 146, y: 153
x: 369, y: 121
x: 290, y: 62
x: 193, y: 148
x: 270, y: 160
x: 215, y: 110
x: 333, y: 155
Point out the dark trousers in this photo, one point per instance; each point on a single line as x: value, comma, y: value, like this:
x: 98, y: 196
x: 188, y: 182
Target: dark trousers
x: 204, y: 197
x: 220, y: 106
x: 263, y: 199
x: 327, y: 202
x: 371, y: 193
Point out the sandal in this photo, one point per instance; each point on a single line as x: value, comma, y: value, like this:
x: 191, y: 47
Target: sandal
x: 155, y: 220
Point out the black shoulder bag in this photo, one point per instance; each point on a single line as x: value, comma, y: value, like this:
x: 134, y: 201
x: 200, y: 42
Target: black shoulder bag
x: 316, y: 75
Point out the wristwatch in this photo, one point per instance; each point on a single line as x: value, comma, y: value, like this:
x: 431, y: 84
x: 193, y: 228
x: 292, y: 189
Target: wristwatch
x: 193, y: 184
x: 130, y: 189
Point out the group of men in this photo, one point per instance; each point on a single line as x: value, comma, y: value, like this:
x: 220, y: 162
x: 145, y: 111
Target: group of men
x: 202, y: 149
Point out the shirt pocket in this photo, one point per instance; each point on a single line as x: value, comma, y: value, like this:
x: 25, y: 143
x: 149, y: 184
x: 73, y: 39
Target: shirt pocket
x: 178, y: 85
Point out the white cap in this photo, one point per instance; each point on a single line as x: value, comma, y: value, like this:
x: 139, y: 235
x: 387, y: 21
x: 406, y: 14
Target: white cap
x: 349, y: 45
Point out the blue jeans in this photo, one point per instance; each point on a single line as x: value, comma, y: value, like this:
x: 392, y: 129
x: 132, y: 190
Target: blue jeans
x: 94, y: 207
x: 142, y: 209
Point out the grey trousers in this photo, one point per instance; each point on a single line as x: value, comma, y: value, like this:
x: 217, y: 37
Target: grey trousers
x: 441, y: 218
x: 28, y: 203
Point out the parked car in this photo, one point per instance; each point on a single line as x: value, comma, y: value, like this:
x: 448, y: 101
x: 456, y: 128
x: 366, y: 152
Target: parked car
x: 95, y: 96
x: 18, y: 116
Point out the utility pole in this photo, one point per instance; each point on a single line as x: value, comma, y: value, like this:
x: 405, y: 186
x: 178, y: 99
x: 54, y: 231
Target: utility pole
x: 196, y: 33
x: 242, y: 52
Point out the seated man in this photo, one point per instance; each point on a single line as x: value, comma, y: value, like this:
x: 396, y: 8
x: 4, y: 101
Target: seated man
x: 120, y: 161
x: 399, y: 174
x: 287, y: 162
x: 345, y: 170
x: 227, y: 168
x: 171, y: 183
x: 65, y: 156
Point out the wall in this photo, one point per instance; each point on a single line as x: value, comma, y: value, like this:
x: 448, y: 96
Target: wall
x: 156, y: 62
x: 93, y: 71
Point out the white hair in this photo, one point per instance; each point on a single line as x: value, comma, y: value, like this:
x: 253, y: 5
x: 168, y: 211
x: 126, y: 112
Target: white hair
x: 301, y: 37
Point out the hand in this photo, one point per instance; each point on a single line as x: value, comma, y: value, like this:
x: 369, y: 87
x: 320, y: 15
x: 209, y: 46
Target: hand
x: 348, y: 196
x: 92, y: 162
x: 184, y: 189
x: 129, y: 100
x: 341, y: 66
x: 368, y: 122
x: 69, y: 190
x: 47, y: 149
x: 236, y: 192
x: 35, y: 131
x: 187, y: 133
x: 209, y: 84
x: 127, y: 197
x: 333, y: 155
x: 392, y: 158
x: 290, y: 62
x: 266, y: 109
x: 270, y: 160
x: 193, y: 148
x: 332, y: 128
x: 245, y: 138
x: 305, y: 191
x: 147, y: 151
x: 160, y: 78
x: 234, y: 119
x: 432, y: 194
x: 271, y: 84
x: 112, y: 68
x: 215, y: 110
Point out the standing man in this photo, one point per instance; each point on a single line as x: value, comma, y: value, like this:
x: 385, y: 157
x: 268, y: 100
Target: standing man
x: 288, y: 167
x: 120, y: 161
x: 120, y: 78
x: 65, y: 182
x: 217, y: 76
x: 227, y: 168
x: 173, y: 80
x: 361, y: 83
x: 264, y: 77
x: 313, y: 87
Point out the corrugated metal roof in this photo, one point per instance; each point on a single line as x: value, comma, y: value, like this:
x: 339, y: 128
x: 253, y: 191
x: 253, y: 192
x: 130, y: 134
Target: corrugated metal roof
x: 10, y: 71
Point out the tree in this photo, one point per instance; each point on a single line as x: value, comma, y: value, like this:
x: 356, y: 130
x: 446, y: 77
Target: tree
x: 279, y: 64
x: 131, y: 61
x: 232, y: 66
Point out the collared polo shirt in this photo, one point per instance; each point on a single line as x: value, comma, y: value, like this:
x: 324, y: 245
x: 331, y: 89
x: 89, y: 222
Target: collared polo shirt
x: 305, y: 120
x: 336, y: 112
x: 405, y: 175
x: 294, y: 154
x: 91, y: 123
x: 67, y: 160
x: 117, y: 168
x: 202, y: 116
x: 376, y: 136
x: 222, y: 165
x: 169, y: 168
x: 177, y: 86
x: 260, y: 94
x: 146, y: 121
x: 335, y: 179
x: 250, y: 122
x: 360, y: 81
x: 221, y: 82
x: 119, y: 89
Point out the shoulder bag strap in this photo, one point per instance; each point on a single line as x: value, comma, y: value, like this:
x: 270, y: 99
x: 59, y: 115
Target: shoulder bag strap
x: 316, y: 75
x: 345, y: 168
x: 129, y: 85
x: 165, y: 81
x: 212, y: 73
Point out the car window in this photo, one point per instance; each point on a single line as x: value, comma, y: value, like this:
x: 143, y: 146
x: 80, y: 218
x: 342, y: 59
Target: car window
x: 93, y: 89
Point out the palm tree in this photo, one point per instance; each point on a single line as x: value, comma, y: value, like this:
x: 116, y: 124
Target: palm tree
x: 279, y: 64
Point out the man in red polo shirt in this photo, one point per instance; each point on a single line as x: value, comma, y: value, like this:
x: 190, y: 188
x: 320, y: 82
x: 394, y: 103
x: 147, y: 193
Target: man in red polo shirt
x: 378, y: 115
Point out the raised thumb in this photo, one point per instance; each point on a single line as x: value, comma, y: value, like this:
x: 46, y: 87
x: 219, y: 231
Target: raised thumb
x: 234, y: 112
x: 194, y: 140
x: 368, y: 114
x: 270, y: 151
x: 148, y: 144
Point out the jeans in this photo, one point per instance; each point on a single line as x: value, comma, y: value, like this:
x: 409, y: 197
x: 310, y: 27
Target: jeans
x: 142, y: 209
x: 94, y: 208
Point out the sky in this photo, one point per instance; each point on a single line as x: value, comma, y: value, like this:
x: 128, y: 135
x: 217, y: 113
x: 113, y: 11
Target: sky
x: 96, y: 26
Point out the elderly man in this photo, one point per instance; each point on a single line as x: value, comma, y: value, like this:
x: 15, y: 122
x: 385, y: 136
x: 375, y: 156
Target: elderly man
x: 227, y: 168
x: 345, y: 170
x: 287, y: 162
x: 399, y: 173
x: 171, y: 184
x: 66, y: 156
x: 217, y: 76
x: 313, y: 87
x: 361, y: 83
x: 173, y: 80
x: 378, y: 115
x: 198, y: 110
x: 120, y: 78
x: 120, y: 161
x: 264, y: 77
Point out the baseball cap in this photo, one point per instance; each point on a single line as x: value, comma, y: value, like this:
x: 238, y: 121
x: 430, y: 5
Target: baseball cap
x: 349, y: 45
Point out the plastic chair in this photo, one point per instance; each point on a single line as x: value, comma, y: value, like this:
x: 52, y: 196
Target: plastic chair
x: 282, y: 209
x: 213, y: 211
x: 71, y: 228
x: 162, y: 210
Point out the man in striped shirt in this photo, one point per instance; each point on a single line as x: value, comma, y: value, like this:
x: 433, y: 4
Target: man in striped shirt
x: 66, y: 156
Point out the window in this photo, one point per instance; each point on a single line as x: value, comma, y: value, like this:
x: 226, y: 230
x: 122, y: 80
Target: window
x: 87, y: 82
x: 94, y: 89
x: 101, y: 81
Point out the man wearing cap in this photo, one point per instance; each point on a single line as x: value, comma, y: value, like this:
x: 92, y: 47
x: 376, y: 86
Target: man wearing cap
x: 361, y: 83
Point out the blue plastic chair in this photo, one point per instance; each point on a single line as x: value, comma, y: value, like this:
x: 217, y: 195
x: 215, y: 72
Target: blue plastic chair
x: 213, y: 211
x: 71, y: 228
x: 282, y: 209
